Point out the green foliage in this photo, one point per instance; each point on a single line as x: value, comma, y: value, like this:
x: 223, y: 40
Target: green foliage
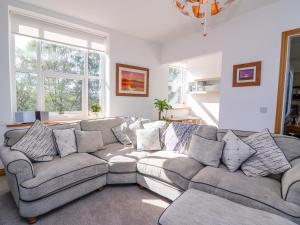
x: 96, y: 107
x: 162, y: 105
x: 61, y: 95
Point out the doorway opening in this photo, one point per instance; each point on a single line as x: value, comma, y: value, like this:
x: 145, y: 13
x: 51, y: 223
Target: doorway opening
x: 288, y: 102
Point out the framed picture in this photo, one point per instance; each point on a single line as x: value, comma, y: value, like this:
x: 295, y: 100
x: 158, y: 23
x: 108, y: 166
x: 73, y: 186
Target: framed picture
x: 246, y: 74
x: 132, y: 81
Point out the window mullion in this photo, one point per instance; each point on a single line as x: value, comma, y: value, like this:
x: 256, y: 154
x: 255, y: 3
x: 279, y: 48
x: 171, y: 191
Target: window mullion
x: 40, y: 88
x: 85, y: 93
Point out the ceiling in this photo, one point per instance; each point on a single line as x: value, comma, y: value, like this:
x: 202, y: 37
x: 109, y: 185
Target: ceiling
x: 153, y: 20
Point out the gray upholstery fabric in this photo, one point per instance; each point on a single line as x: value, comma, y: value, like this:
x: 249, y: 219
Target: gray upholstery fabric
x: 268, y: 159
x: 37, y: 144
x: 161, y: 188
x: 170, y: 167
x: 205, y: 151
x: 120, y: 158
x: 257, y: 192
x: 119, y: 132
x: 235, y: 151
x: 89, y: 141
x: 103, y: 125
x: 198, y: 208
x: 240, y: 133
x: 18, y: 169
x: 291, y: 183
x: 44, y: 205
x: 65, y: 141
x: 121, y: 178
x: 148, y: 139
x: 207, y: 131
x: 54, y: 176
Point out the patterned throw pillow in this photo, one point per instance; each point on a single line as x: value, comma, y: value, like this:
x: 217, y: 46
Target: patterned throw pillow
x: 148, y: 139
x: 205, y: 151
x: 235, y: 151
x: 269, y: 159
x: 65, y: 141
x: 120, y: 131
x: 37, y: 144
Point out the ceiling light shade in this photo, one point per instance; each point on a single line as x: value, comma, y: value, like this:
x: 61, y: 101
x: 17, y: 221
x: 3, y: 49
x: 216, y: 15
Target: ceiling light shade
x: 202, y: 9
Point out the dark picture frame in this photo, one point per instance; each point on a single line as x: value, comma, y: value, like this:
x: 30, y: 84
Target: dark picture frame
x: 248, y: 74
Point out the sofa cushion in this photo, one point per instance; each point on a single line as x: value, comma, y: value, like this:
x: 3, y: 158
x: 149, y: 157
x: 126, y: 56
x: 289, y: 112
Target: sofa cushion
x: 195, y: 207
x: 61, y: 173
x: 103, y: 125
x: 120, y: 158
x: 65, y: 141
x: 88, y: 141
x: 170, y: 167
x: 257, y: 192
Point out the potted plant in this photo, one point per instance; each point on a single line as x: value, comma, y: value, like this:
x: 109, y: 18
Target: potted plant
x: 96, y: 109
x: 162, y: 105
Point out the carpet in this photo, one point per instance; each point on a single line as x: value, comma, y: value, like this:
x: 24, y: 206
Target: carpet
x: 115, y: 205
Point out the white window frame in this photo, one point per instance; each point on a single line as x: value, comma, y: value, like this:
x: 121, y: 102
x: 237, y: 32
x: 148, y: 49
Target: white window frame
x: 41, y: 75
x: 183, y: 84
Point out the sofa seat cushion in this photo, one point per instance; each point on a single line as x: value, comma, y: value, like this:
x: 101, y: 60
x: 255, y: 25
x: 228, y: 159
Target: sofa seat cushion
x: 257, y: 192
x: 61, y: 173
x: 120, y: 158
x: 170, y: 167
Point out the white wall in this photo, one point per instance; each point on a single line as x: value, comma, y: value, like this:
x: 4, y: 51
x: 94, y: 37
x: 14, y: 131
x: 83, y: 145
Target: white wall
x: 250, y: 37
x: 205, y: 106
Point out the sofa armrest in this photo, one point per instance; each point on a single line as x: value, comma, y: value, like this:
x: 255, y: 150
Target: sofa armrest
x: 16, y: 163
x: 290, y: 183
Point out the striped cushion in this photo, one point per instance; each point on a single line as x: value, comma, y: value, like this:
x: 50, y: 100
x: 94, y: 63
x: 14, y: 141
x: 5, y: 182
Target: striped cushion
x: 37, y: 144
x: 268, y: 159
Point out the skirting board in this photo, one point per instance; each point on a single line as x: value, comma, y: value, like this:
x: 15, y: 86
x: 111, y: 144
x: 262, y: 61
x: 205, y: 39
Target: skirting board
x: 2, y: 172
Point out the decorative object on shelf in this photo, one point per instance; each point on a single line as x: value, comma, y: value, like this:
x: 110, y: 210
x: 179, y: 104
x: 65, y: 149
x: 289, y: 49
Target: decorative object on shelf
x: 202, y: 9
x: 248, y: 74
x: 162, y: 105
x: 96, y: 109
x: 205, y: 85
x: 132, y: 81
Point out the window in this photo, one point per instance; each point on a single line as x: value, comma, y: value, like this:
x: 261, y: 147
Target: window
x: 176, y: 85
x: 59, y: 73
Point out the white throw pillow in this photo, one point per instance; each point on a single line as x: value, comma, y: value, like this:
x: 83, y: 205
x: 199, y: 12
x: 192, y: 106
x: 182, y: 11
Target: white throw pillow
x: 65, y: 141
x: 235, y: 151
x: 148, y: 139
x: 131, y: 131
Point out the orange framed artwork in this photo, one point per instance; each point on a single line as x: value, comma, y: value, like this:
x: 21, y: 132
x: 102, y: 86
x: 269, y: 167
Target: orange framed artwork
x: 248, y: 74
x: 132, y: 81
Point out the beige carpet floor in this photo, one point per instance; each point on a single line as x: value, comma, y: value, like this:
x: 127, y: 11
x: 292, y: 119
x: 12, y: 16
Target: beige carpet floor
x: 115, y: 205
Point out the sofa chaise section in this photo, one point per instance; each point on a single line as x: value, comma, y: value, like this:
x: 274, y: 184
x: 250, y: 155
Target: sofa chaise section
x: 262, y: 193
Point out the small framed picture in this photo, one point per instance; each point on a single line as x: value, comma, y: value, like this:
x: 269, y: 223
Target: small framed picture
x: 132, y: 81
x: 246, y: 74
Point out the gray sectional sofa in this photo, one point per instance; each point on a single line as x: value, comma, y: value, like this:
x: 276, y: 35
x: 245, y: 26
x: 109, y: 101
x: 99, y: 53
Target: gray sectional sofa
x: 37, y: 188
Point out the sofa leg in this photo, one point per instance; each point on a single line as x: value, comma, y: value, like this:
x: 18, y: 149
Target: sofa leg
x: 141, y: 187
x: 101, y: 188
x: 31, y: 220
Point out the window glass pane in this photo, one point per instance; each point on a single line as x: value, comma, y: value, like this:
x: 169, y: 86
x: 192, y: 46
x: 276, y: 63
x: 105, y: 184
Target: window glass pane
x: 94, y: 61
x: 25, y: 52
x: 26, y: 91
x: 94, y: 93
x: 63, y: 96
x: 61, y: 58
x: 175, y: 85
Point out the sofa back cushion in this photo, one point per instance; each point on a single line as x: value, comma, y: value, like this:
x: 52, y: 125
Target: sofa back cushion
x: 289, y: 145
x: 11, y: 137
x: 105, y: 126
